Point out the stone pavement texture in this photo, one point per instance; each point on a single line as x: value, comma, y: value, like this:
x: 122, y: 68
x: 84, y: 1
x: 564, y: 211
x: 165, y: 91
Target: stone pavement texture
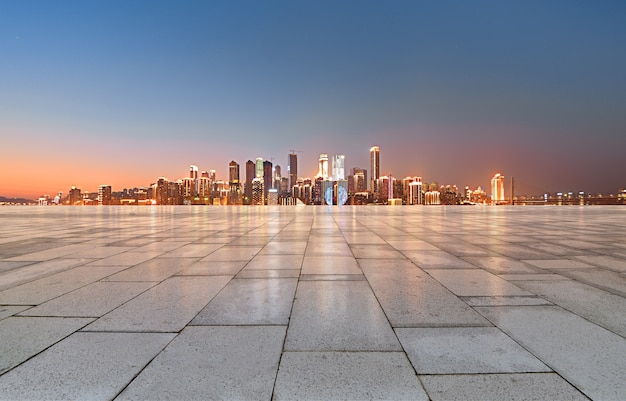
x: 285, y: 303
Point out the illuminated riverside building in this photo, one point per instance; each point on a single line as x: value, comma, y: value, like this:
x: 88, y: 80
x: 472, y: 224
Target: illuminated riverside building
x: 415, y: 194
x: 497, y: 189
x: 160, y: 192
x: 259, y: 168
x: 268, y: 179
x: 272, y: 197
x: 250, y: 175
x: 292, y: 170
x: 258, y: 195
x: 204, y: 190
x: 175, y: 193
x: 339, y: 171
x: 188, y: 190
x: 359, y: 178
x: 233, y: 172
x: 323, y: 166
x: 104, y: 195
x: 193, y: 174
x: 432, y: 198
x: 406, y: 189
x: 75, y: 197
x: 374, y: 167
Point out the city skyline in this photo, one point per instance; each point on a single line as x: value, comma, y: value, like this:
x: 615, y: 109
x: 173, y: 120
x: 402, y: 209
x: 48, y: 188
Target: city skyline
x: 115, y: 93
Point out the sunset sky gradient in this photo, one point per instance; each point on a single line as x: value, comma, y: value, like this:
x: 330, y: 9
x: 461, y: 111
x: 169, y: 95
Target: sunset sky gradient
x: 122, y: 92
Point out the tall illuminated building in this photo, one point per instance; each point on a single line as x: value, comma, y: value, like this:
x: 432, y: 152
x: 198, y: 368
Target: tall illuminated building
x: 258, y: 192
x: 292, y: 169
x: 193, y: 174
x: 188, y: 189
x: 250, y: 175
x: 323, y: 166
x: 259, y: 168
x: 104, y: 195
x: 162, y: 191
x: 497, y: 188
x: 339, y: 171
x: 416, y: 196
x: 277, y: 178
x: 268, y: 179
x: 375, y: 167
x: 233, y: 172
x: 204, y: 190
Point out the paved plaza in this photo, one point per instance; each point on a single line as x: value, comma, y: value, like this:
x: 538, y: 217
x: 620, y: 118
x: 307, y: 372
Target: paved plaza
x: 313, y: 302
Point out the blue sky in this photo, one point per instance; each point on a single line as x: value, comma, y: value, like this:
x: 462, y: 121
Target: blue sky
x: 451, y: 91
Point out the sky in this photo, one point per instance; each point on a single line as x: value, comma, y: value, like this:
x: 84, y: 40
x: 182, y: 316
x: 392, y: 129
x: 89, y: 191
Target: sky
x: 123, y: 92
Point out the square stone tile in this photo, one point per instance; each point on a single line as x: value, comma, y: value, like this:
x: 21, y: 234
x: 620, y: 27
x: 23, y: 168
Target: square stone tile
x: 38, y: 270
x: 330, y: 265
x: 603, y: 308
x: 157, y: 269
x: 606, y: 262
x: 250, y: 302
x: 328, y: 248
x: 282, y: 273
x: 93, y: 300
x: 437, y: 260
x: 284, y: 248
x: 67, y: 370
x: 24, y: 337
x: 474, y: 282
x: 347, y: 375
x: 412, y: 245
x: 505, y: 301
x: 375, y: 252
x: 326, y: 313
x: 44, y: 289
x: 411, y: 298
x: 275, y: 262
x: 451, y: 350
x: 213, y: 268
x: 586, y: 355
x: 8, y: 311
x: 192, y: 251
x: 497, y: 387
x: 232, y: 253
x: 213, y: 363
x: 501, y: 265
x: 559, y: 264
x: 167, y: 307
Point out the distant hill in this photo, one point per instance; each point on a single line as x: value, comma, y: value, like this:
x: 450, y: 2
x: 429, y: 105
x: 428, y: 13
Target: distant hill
x: 15, y: 200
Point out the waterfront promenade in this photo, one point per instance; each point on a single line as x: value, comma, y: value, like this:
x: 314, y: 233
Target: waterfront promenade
x: 285, y: 303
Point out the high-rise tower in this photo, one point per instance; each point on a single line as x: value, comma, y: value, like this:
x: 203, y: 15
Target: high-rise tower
x: 233, y: 172
x: 292, y: 169
x: 497, y: 188
x: 374, y: 166
x: 339, y: 171
x: 323, y: 172
x: 259, y: 167
x: 250, y: 175
x: 268, y: 177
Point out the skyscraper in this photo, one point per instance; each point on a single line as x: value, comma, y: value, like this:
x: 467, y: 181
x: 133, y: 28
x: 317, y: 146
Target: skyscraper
x: 292, y: 169
x: 268, y: 179
x: 497, y: 188
x: 233, y: 172
x: 259, y: 167
x: 258, y: 197
x: 161, y: 194
x: 323, y: 162
x: 375, y: 166
x: 250, y: 175
x: 339, y: 171
x: 193, y: 174
x: 104, y: 195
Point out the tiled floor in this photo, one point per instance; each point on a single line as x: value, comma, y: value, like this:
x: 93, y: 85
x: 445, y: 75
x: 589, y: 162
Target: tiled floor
x: 262, y: 303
